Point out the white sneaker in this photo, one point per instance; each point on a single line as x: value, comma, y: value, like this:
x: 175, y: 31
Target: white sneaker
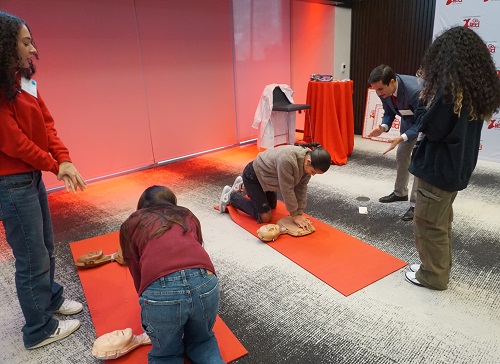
x: 414, y: 267
x: 410, y: 277
x: 64, y: 329
x: 224, y: 198
x: 238, y: 184
x: 69, y: 307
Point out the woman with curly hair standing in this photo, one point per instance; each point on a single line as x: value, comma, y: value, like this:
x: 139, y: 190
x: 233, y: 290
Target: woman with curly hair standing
x: 461, y: 90
x: 28, y: 145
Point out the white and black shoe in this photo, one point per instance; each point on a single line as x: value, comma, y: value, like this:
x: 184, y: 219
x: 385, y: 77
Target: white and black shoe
x: 410, y: 277
x: 64, y: 329
x: 414, y: 267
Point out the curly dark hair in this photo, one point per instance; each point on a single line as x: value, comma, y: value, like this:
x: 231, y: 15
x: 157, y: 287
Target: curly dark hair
x: 9, y: 57
x: 459, y: 64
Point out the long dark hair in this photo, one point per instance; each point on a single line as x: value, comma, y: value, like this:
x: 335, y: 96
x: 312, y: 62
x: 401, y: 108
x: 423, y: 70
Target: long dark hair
x: 157, y: 212
x: 459, y: 64
x: 156, y: 195
x: 10, y: 26
x: 160, y: 204
x: 320, y: 158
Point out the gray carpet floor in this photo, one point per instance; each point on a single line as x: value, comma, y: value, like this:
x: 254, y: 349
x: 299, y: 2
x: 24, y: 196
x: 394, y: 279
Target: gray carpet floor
x: 280, y: 312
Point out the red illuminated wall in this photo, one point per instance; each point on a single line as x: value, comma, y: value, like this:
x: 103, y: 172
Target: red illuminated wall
x: 312, y: 46
x: 90, y: 76
x: 261, y: 55
x: 131, y: 83
x: 186, y: 49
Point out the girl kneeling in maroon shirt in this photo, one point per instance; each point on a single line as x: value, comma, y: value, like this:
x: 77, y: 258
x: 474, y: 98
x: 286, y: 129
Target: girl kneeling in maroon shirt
x: 174, y: 277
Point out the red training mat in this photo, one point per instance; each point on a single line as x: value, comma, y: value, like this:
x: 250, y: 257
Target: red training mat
x: 113, y: 302
x: 343, y: 262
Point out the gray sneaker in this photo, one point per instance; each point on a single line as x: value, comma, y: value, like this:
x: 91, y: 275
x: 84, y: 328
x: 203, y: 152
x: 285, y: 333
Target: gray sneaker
x: 238, y: 184
x: 224, y: 198
x: 64, y: 329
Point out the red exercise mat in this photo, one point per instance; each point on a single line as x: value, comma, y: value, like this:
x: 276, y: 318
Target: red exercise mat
x: 343, y: 262
x: 113, y: 302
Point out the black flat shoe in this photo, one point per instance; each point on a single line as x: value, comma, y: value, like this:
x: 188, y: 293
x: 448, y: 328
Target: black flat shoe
x: 393, y: 198
x: 408, y: 216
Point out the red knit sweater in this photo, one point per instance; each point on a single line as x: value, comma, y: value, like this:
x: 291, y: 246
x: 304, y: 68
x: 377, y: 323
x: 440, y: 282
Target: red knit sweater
x: 28, y: 139
x: 153, y: 258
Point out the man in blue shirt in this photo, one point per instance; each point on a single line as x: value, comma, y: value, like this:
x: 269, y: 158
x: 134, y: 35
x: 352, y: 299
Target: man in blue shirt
x: 399, y: 95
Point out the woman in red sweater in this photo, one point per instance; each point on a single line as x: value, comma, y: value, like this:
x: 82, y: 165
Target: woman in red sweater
x: 28, y: 145
x: 174, y: 278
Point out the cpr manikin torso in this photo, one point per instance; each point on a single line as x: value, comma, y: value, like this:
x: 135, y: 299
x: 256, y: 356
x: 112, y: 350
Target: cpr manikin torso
x: 285, y: 225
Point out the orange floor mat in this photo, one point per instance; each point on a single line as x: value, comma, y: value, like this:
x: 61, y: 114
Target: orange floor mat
x: 343, y: 262
x: 113, y: 302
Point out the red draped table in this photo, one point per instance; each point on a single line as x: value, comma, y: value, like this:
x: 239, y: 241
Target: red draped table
x: 332, y: 118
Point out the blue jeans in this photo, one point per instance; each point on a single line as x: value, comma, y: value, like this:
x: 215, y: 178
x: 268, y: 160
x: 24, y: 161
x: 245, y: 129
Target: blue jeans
x: 178, y: 314
x: 24, y: 211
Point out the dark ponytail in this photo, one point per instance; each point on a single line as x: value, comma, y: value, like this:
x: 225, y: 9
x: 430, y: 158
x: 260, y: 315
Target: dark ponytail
x: 309, y: 145
x: 320, y: 158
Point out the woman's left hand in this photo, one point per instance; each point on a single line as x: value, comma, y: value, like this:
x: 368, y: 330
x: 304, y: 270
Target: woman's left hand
x: 71, y: 177
x: 302, y: 222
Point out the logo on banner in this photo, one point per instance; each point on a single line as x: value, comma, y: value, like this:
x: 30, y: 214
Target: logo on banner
x: 449, y: 2
x: 492, y: 48
x: 471, y: 23
x: 494, y: 124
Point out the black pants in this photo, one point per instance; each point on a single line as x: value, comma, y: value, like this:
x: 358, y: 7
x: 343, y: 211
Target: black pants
x: 260, y: 201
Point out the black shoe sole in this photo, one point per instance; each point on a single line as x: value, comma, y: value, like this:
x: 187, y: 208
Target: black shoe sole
x: 397, y: 199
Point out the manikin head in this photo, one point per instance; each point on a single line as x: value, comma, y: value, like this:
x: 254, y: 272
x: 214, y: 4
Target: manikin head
x: 118, y: 343
x: 114, y: 340
x: 269, y: 232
